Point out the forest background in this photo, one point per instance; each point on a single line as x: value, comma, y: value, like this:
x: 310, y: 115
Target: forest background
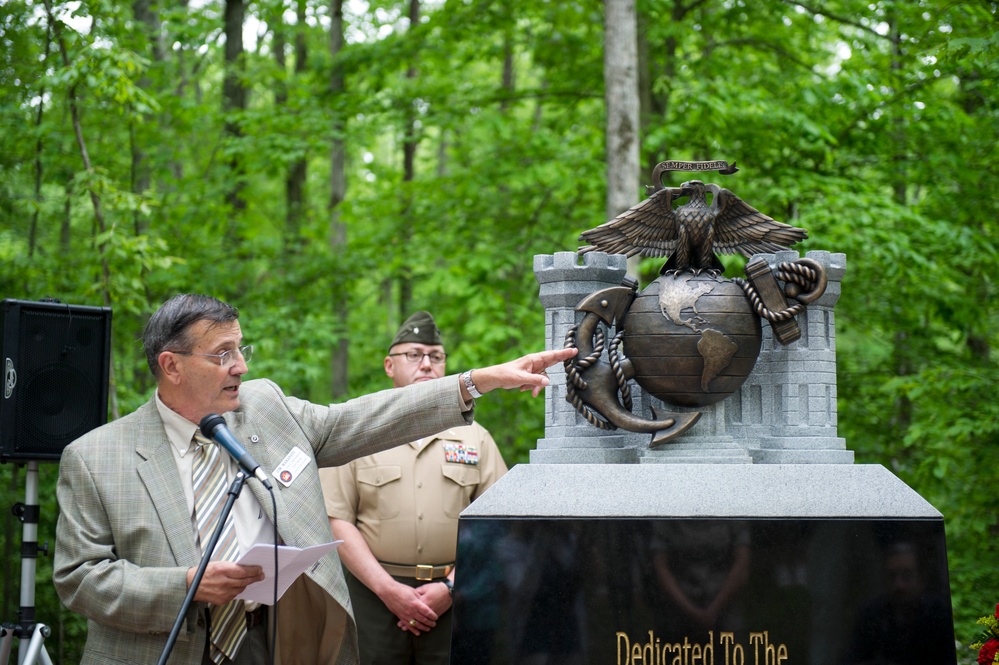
x: 330, y: 167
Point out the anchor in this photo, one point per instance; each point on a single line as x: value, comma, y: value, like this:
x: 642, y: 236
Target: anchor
x: 593, y: 383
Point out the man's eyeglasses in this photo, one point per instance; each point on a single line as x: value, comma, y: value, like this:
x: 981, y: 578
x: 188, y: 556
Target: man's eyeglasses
x: 226, y: 358
x: 436, y: 357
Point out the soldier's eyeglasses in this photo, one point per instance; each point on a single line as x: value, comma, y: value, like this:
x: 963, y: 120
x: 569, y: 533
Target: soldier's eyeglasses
x: 436, y: 358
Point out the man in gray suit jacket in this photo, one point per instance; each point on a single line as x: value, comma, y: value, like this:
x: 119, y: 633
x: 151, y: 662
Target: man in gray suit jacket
x: 126, y: 542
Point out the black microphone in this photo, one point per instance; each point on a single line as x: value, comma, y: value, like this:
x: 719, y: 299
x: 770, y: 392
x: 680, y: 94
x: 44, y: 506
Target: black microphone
x: 213, y: 426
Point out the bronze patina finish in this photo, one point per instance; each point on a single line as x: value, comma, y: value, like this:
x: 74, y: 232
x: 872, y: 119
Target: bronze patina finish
x: 692, y: 337
x: 597, y: 392
x: 772, y: 304
x: 692, y: 233
x: 701, y: 348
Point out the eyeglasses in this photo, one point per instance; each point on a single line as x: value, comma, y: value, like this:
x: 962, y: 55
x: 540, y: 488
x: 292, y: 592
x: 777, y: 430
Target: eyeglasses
x: 436, y: 357
x: 226, y: 358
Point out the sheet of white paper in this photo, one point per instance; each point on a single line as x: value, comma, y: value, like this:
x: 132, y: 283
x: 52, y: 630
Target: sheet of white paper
x: 291, y: 562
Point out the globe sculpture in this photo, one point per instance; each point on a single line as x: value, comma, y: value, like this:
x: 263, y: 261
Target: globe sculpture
x: 692, y: 339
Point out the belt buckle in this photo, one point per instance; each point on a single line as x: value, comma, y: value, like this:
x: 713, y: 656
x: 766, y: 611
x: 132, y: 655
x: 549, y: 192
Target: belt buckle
x: 424, y: 573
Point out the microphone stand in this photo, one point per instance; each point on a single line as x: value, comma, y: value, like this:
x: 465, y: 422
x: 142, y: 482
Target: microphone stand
x: 234, y: 490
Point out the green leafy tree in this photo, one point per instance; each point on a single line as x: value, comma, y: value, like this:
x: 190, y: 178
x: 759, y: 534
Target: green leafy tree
x: 333, y: 171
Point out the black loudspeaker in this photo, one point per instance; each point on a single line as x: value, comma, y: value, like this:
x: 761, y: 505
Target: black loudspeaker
x: 56, y: 363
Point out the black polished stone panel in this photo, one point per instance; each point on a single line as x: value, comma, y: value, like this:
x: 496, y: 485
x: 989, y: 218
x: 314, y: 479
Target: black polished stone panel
x: 694, y: 591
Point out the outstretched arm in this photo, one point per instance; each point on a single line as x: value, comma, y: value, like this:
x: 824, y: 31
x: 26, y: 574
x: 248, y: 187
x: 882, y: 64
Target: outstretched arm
x: 524, y: 373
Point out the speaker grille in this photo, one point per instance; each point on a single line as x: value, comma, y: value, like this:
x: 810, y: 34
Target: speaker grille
x: 60, y: 354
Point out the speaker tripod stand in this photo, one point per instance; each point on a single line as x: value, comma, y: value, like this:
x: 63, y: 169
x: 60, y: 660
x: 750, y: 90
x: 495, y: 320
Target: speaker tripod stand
x: 31, y: 635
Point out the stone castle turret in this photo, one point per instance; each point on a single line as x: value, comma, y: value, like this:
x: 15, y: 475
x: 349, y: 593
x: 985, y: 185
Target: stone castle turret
x: 785, y: 412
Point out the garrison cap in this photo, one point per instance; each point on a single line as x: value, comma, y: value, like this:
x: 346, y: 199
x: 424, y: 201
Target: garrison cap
x: 419, y: 328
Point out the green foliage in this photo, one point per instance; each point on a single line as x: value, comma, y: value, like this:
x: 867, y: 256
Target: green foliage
x: 871, y: 124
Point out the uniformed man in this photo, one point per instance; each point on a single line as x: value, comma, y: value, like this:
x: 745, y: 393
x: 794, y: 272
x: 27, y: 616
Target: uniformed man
x: 397, y: 513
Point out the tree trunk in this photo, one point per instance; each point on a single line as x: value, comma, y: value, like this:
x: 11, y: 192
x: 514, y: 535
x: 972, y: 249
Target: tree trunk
x: 141, y: 178
x: 181, y: 90
x: 409, y: 144
x: 338, y: 230
x: 621, y: 99
x: 279, y: 43
x: 296, y: 177
x: 902, y: 352
x: 233, y: 105
x: 508, y: 71
x: 33, y: 230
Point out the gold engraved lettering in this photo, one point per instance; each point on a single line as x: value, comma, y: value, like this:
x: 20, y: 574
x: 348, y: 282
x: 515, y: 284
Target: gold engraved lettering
x: 709, y: 649
x: 772, y: 654
x: 677, y: 658
x: 622, y: 636
x: 734, y: 654
x: 655, y: 652
x: 651, y: 650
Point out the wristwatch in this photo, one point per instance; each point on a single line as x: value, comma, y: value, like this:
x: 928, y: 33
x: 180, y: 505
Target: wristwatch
x: 466, y: 378
x: 449, y: 584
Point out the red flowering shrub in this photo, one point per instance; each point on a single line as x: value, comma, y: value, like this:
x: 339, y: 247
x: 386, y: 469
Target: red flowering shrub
x: 987, y: 654
x: 988, y: 643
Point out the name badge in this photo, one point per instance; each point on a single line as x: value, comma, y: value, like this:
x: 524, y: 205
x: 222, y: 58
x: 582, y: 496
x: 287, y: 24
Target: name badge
x: 291, y: 466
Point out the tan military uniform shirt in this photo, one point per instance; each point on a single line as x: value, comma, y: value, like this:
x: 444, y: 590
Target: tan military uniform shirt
x: 405, y: 501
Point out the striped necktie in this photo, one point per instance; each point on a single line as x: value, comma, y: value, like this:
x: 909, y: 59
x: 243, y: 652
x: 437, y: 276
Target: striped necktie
x: 210, y: 488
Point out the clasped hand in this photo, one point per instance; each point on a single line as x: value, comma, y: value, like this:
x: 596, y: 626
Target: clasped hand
x: 424, y: 604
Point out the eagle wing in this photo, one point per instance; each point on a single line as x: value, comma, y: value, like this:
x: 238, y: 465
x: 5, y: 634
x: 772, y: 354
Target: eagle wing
x: 742, y: 229
x: 648, y: 228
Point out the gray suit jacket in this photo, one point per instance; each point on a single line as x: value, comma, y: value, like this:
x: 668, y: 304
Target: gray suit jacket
x: 124, y: 540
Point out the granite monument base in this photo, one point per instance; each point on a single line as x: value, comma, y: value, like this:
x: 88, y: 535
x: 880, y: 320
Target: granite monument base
x: 701, y: 564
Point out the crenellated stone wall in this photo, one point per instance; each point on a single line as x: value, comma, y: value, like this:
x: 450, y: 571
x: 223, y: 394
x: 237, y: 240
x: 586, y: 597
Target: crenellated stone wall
x: 564, y: 281
x: 784, y: 413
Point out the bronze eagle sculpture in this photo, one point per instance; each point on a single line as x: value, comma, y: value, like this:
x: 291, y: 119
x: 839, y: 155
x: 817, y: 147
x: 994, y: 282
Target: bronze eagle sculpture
x: 692, y: 233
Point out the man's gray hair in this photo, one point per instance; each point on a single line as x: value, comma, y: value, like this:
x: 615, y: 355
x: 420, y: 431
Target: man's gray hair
x: 168, y: 329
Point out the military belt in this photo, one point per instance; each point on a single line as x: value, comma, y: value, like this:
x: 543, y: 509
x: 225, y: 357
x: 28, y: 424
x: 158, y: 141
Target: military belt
x: 424, y: 572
